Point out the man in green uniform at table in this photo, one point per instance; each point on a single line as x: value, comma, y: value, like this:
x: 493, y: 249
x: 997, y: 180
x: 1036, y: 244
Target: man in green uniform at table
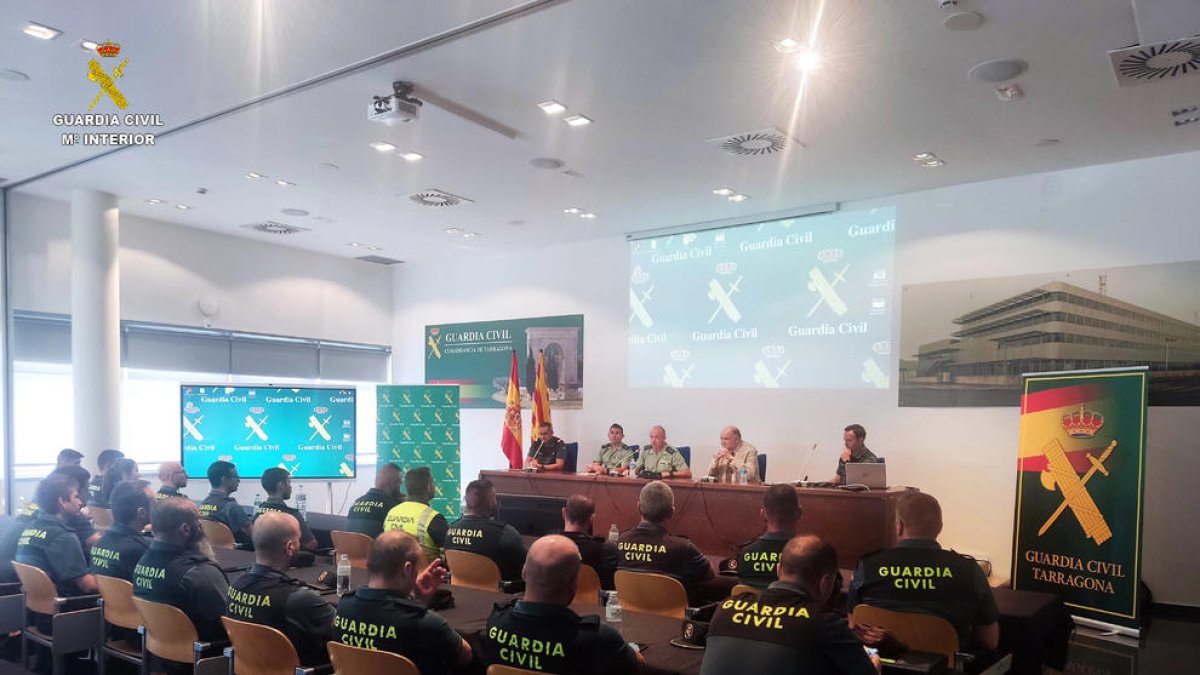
x: 278, y: 484
x: 660, y: 458
x: 548, y: 452
x: 614, y: 455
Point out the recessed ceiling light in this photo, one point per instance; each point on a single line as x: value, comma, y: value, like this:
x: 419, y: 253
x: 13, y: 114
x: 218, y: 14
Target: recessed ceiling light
x: 1000, y: 70
x: 786, y: 46
x: 153, y: 201
x: 294, y: 212
x: 254, y: 175
x: 589, y: 215
x: 40, y: 31
x: 285, y: 183
x: 183, y: 207
x: 577, y: 120
x: 354, y: 244
x: 13, y: 75
x: 552, y: 107
x: 470, y: 235
x: 738, y: 197
x: 924, y: 156
x: 453, y: 230
x: 412, y: 156
x: 572, y: 210
x: 88, y: 45
x: 374, y: 248
x: 933, y: 163
x: 807, y: 61
x: 722, y: 192
x: 381, y: 146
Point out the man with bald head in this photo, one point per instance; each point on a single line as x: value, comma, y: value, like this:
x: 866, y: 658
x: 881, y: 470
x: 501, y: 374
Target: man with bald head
x: 174, y: 477
x: 389, y: 613
x: 897, y: 578
x: 661, y: 460
x: 733, y: 456
x: 540, y: 632
x: 267, y: 595
x: 786, y: 630
x: 368, y: 512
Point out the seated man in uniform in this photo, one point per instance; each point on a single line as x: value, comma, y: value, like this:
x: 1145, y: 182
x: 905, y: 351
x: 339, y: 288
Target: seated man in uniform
x: 104, y: 462
x: 614, y: 455
x: 179, y: 569
x: 601, y: 554
x: 661, y: 459
x: 648, y: 547
x: 79, y: 521
x: 540, y: 632
x: 416, y: 517
x: 220, y: 505
x: 756, y: 560
x: 278, y: 484
x: 389, y: 613
x: 478, y: 531
x: 122, y: 546
x: 121, y: 470
x: 69, y: 457
x: 786, y: 630
x: 174, y: 478
x: 548, y: 452
x: 49, y: 545
x: 369, y: 511
x: 957, y: 592
x: 267, y: 595
x: 734, y: 455
x: 853, y: 437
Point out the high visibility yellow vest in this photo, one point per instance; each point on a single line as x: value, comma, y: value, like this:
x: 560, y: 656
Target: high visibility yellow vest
x: 414, y: 518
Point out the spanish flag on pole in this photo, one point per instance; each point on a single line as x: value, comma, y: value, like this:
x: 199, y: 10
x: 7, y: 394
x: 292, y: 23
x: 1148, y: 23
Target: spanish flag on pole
x: 510, y: 436
x: 541, y: 397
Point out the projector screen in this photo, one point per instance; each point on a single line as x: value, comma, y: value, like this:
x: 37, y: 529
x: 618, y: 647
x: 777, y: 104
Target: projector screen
x: 308, y: 431
x: 795, y: 302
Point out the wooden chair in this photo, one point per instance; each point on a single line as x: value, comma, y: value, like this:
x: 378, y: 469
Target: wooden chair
x: 169, y: 634
x: 70, y: 632
x: 921, y: 632
x: 116, y: 601
x: 587, y: 586
x: 651, y: 593
x: 472, y: 570
x: 354, y: 544
x: 102, y: 518
x: 349, y: 660
x: 738, y: 589
x: 501, y: 669
x: 259, y: 650
x: 218, y: 533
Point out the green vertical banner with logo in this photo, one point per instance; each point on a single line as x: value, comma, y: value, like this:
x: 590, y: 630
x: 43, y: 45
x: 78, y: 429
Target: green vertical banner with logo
x: 419, y: 426
x: 1080, y: 480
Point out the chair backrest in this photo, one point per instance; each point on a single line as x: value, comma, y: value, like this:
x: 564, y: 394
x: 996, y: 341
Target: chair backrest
x: 651, y: 593
x: 921, y: 632
x: 762, y: 467
x: 587, y: 586
x: 571, y: 463
x: 170, y: 634
x: 472, y: 570
x: 501, y: 669
x: 39, y: 589
x: 102, y: 518
x: 119, y: 609
x: 354, y: 544
x: 349, y: 660
x: 259, y: 649
x: 686, y: 451
x: 738, y: 589
x: 218, y: 533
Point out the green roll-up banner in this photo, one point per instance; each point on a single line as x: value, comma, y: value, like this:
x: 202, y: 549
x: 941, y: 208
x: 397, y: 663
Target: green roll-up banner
x: 1080, y: 480
x: 419, y: 426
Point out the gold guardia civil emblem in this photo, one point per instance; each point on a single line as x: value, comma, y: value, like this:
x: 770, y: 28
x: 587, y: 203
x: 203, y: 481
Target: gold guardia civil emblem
x: 1060, y: 475
x: 97, y: 74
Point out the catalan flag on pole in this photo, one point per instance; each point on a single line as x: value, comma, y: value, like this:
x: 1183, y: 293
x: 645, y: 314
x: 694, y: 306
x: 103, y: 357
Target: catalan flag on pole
x: 541, y: 396
x: 510, y: 435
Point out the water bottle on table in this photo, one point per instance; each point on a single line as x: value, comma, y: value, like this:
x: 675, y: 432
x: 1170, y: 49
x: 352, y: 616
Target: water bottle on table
x: 743, y: 476
x: 343, y: 575
x: 612, y: 611
x: 614, y: 534
x: 633, y: 466
x: 257, y: 501
x: 301, y: 501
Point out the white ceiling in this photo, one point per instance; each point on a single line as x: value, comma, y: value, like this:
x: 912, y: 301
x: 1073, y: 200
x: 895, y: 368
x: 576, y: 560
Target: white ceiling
x: 658, y: 77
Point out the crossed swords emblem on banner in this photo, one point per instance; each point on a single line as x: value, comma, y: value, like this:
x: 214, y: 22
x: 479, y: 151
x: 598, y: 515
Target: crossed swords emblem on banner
x: 435, y: 349
x: 318, y: 427
x: 256, y: 427
x: 724, y: 299
x: 97, y: 74
x: 192, y: 427
x: 638, y: 307
x: 826, y: 289
x: 1061, y: 475
x: 764, y: 376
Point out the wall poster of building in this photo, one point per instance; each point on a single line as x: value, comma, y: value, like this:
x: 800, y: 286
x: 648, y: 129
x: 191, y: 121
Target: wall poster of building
x: 966, y: 343
x: 477, y: 357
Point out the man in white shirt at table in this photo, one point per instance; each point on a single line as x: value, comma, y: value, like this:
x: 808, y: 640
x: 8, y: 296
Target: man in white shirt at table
x: 734, y: 455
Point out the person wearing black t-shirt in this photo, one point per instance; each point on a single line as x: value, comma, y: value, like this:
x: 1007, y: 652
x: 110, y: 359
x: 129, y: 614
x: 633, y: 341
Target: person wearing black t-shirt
x: 48, y: 544
x: 278, y: 484
x: 650, y: 548
x: 220, y: 505
x: 547, y: 452
x: 174, y: 478
x: 122, y: 546
x: 757, y: 559
x: 603, y: 556
x: 479, y: 532
x: 368, y: 512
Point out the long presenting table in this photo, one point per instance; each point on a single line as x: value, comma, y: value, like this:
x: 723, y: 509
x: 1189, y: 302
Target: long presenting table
x: 719, y: 517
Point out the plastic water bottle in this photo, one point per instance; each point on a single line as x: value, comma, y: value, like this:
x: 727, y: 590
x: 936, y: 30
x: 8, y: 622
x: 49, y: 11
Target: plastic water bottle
x: 343, y: 575
x: 633, y: 466
x: 614, y: 534
x: 257, y: 501
x: 743, y: 476
x: 612, y: 611
x: 301, y: 501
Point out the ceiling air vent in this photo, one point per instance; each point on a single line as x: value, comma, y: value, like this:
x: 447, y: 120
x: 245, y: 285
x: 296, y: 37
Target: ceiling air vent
x: 437, y: 198
x: 1142, y: 64
x: 272, y: 227
x: 378, y: 260
x: 761, y: 142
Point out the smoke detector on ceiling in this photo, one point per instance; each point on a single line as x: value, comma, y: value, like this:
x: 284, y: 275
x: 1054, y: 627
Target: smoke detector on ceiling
x: 1142, y: 64
x: 272, y: 227
x: 437, y: 198
x: 760, y: 142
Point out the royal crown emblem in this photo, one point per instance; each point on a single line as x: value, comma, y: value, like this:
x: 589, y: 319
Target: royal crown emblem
x: 108, y: 48
x: 1082, y: 423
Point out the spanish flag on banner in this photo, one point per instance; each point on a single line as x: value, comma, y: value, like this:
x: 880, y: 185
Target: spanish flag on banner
x: 541, y: 397
x: 510, y: 435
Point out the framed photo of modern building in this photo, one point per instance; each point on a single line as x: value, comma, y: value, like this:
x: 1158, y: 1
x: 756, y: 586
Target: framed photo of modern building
x: 966, y: 343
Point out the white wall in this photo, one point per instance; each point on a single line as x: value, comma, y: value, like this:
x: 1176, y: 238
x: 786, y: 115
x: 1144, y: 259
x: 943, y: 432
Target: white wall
x: 1130, y: 213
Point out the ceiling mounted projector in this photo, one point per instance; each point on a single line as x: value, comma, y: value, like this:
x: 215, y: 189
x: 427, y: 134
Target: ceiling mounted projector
x: 400, y: 106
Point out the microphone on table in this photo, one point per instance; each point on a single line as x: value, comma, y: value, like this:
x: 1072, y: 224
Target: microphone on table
x: 804, y: 481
